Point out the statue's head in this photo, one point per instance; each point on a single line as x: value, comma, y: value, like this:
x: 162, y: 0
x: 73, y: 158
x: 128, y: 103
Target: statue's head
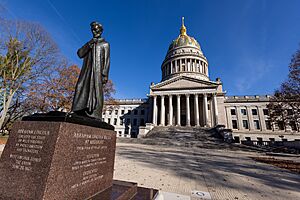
x: 96, y: 29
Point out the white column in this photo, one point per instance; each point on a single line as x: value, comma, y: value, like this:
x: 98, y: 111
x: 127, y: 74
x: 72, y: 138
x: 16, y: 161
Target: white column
x: 154, y: 119
x: 196, y: 102
x: 205, y: 110
x: 239, y: 118
x: 250, y: 118
x: 188, y: 115
x: 170, y: 111
x: 215, y: 109
x: 162, y: 112
x: 261, y: 119
x: 180, y: 65
x: 171, y: 66
x: 178, y: 110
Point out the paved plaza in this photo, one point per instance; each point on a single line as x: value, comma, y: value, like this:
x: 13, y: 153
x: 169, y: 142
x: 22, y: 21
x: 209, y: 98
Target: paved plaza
x: 224, y: 173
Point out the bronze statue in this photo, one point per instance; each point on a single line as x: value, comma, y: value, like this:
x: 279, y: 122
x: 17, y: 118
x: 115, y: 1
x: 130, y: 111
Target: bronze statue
x: 88, y: 98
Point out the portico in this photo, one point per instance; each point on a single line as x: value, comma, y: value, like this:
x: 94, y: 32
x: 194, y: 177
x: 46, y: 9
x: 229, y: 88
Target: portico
x: 184, y: 109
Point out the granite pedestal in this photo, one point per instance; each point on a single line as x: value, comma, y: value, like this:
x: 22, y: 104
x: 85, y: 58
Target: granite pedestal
x: 56, y: 160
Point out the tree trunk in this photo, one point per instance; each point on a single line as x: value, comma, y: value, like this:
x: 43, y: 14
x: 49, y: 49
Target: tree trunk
x: 6, y: 104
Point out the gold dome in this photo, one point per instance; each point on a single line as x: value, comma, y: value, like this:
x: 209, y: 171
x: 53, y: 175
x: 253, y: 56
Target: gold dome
x: 183, y: 39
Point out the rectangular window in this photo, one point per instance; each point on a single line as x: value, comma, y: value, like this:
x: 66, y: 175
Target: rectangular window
x: 232, y: 112
x: 129, y: 112
x: 108, y: 121
x: 256, y: 124
x: 142, y: 112
x: 135, y: 112
x: 122, y: 112
x: 234, y: 124
x: 109, y: 112
x: 243, y: 111
x: 266, y: 111
x: 254, y: 111
x: 115, y: 121
x: 245, y: 124
x: 280, y: 125
x: 268, y: 125
x: 134, y: 122
x: 127, y: 121
x: 142, y: 122
x: 121, y: 121
x: 116, y: 112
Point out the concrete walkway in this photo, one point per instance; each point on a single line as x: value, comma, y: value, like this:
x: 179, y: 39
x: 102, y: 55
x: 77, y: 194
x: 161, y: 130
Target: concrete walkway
x: 223, y: 173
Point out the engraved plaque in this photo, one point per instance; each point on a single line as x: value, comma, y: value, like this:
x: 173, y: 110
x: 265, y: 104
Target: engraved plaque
x: 56, y: 160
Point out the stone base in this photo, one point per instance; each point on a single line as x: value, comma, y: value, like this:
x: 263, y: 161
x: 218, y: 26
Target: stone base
x: 57, y: 116
x: 56, y: 161
x: 122, y: 190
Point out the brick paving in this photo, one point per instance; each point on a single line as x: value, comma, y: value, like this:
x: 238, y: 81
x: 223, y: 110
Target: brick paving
x: 224, y: 173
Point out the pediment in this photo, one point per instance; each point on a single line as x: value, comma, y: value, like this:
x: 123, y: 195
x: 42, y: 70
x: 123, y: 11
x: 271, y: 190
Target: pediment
x: 183, y: 83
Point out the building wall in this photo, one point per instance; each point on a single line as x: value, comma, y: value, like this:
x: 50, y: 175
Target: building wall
x: 249, y: 116
x: 127, y: 116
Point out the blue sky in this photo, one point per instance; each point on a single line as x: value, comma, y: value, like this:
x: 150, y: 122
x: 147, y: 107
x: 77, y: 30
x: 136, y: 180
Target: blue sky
x: 248, y: 43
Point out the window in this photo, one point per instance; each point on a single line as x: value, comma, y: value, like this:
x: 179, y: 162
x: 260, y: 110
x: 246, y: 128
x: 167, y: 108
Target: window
x: 268, y: 125
x: 116, y: 112
x: 121, y: 122
x: 127, y: 121
x: 134, y: 122
x: 108, y: 121
x: 115, y: 121
x: 129, y: 112
x: 135, y: 112
x: 122, y: 112
x: 266, y: 111
x: 256, y: 124
x: 254, y: 111
x: 245, y: 124
x: 109, y: 112
x: 142, y: 112
x: 280, y: 125
x: 142, y: 122
x: 208, y: 106
x: 243, y: 111
x: 234, y: 124
x: 232, y: 112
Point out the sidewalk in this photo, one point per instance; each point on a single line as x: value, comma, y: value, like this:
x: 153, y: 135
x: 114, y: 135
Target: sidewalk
x: 225, y: 174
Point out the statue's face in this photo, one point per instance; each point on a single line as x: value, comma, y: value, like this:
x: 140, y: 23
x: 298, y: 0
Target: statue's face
x: 97, y: 31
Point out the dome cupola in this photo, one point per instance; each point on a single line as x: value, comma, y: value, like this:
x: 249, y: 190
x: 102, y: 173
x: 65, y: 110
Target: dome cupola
x: 185, y: 57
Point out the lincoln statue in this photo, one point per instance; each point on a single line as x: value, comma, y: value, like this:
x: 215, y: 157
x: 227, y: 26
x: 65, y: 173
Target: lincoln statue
x: 88, y: 98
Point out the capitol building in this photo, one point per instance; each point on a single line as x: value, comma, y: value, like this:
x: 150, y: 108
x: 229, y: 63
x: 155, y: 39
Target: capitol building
x: 186, y: 96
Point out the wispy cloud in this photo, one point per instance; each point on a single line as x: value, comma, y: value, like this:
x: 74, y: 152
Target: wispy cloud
x: 64, y: 21
x: 252, y: 71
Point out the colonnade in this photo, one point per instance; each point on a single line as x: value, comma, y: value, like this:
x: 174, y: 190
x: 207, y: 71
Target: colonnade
x: 185, y: 65
x: 191, y: 110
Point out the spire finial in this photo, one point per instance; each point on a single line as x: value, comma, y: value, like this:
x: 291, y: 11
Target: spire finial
x: 182, y: 29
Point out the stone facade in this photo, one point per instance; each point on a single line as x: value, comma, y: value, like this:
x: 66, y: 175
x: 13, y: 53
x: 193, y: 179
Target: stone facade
x: 187, y: 97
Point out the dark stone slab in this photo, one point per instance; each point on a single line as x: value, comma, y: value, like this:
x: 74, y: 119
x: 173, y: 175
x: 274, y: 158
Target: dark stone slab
x: 56, y: 161
x: 57, y: 116
x: 122, y: 190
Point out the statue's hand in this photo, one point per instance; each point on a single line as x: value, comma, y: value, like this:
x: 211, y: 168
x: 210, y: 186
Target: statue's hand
x: 91, y: 42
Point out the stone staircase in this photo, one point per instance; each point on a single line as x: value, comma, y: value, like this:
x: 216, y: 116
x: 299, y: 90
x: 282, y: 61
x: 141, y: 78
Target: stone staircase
x: 181, y: 136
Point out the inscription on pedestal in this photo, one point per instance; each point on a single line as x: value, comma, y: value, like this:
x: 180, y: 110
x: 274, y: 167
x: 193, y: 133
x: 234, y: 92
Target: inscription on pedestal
x: 56, y: 160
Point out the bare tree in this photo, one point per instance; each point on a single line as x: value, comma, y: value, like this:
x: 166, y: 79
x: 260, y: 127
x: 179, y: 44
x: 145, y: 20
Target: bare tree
x: 285, y: 104
x: 27, y: 53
